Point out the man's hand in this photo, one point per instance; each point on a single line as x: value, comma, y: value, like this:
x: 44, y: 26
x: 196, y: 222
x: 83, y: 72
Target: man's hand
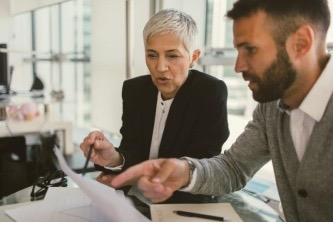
x: 156, y: 179
x: 105, y: 178
x: 104, y: 153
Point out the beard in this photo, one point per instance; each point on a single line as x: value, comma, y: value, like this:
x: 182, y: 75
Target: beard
x: 276, y: 79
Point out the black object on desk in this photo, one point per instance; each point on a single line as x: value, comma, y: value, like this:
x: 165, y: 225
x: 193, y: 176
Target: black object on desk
x: 15, y: 172
x: 51, y: 179
x: 198, y: 215
x: 22, y: 165
x: 4, y: 85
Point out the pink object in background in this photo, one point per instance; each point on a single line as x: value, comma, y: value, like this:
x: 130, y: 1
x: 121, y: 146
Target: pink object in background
x: 25, y: 112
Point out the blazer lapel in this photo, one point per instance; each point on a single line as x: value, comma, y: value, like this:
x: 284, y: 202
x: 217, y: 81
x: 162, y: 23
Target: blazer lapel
x: 148, y: 113
x: 176, y: 116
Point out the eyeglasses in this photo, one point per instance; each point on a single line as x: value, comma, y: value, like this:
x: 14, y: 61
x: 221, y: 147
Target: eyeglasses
x: 54, y: 179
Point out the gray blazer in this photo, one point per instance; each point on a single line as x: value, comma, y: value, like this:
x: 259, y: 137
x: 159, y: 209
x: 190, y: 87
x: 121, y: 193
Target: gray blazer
x: 305, y: 188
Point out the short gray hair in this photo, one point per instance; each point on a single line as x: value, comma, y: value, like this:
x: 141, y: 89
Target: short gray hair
x: 172, y: 21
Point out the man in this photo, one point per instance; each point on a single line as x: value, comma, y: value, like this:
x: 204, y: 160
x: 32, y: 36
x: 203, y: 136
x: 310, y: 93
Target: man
x: 282, y: 54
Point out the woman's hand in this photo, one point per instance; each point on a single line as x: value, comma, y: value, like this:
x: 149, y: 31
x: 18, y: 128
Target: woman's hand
x: 103, y: 152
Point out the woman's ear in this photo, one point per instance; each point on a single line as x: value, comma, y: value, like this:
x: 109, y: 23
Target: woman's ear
x: 195, y: 56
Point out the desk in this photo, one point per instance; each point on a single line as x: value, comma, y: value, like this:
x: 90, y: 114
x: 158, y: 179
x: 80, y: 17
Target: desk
x: 248, y: 208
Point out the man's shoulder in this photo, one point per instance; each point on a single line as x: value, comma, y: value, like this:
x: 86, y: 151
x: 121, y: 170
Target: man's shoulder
x: 269, y: 110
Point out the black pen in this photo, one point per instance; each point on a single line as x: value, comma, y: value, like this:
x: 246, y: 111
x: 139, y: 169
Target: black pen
x: 199, y: 215
x: 88, y: 157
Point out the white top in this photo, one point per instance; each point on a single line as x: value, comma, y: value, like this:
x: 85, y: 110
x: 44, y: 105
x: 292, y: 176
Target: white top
x: 161, y: 113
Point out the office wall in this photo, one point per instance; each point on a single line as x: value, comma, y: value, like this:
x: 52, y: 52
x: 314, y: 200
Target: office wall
x: 141, y: 11
x: 19, y: 6
x: 108, y: 62
x: 195, y: 8
x: 4, y: 21
x: 108, y: 65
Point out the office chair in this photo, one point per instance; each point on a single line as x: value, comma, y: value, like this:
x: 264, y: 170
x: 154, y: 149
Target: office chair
x: 14, y: 170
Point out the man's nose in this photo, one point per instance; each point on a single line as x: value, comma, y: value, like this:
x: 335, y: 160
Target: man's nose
x: 241, y: 64
x: 161, y: 64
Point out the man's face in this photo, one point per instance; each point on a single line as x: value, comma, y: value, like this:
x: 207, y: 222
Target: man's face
x: 168, y: 62
x: 266, y: 66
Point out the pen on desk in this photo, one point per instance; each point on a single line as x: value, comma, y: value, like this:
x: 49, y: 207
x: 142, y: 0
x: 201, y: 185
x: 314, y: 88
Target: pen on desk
x: 199, y: 215
x: 88, y: 157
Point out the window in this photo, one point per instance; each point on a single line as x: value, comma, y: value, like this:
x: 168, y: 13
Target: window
x: 220, y: 55
x: 56, y: 49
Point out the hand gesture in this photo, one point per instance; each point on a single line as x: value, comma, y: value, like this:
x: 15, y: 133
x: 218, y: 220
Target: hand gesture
x: 156, y: 179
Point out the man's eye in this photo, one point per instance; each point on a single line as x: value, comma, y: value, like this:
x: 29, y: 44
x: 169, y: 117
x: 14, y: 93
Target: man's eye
x: 250, y: 49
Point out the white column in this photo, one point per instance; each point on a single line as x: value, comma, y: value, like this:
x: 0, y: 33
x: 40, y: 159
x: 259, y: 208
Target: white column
x: 195, y: 8
x: 4, y: 21
x: 108, y: 62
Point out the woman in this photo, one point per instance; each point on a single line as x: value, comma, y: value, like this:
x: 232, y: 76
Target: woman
x: 174, y: 111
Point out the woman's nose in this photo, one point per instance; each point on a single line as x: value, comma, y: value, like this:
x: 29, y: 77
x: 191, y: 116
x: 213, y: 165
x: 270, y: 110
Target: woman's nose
x: 161, y: 65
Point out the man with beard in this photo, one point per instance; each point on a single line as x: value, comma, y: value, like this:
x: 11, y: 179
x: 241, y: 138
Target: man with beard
x: 282, y: 54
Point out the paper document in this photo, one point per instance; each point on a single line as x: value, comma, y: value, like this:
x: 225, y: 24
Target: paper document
x: 165, y: 212
x: 59, y: 204
x: 114, y: 205
x: 93, y: 201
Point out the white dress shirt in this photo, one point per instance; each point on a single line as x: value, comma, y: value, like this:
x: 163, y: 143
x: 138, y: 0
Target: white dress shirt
x: 311, y: 110
x: 161, y: 113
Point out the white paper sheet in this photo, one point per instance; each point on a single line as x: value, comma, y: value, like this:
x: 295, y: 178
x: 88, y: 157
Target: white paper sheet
x: 59, y: 204
x: 111, y: 203
x: 165, y: 212
x: 92, y: 202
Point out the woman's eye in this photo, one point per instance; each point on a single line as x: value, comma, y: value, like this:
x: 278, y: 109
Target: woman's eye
x: 172, y: 56
x: 151, y: 55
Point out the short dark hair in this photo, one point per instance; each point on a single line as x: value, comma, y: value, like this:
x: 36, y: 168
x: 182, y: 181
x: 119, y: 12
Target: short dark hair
x: 287, y: 15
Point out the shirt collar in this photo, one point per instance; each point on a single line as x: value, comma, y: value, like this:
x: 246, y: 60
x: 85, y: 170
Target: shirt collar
x: 283, y: 107
x: 160, y: 100
x: 315, y: 103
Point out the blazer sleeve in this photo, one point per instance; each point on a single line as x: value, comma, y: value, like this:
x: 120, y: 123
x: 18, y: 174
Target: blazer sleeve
x: 131, y: 141
x: 211, y: 127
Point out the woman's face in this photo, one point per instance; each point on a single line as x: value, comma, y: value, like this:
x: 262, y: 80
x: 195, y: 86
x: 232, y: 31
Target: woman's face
x: 168, y: 62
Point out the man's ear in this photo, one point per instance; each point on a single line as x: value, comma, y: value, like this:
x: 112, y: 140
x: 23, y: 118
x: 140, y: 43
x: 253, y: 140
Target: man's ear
x: 195, y: 56
x: 301, y: 41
